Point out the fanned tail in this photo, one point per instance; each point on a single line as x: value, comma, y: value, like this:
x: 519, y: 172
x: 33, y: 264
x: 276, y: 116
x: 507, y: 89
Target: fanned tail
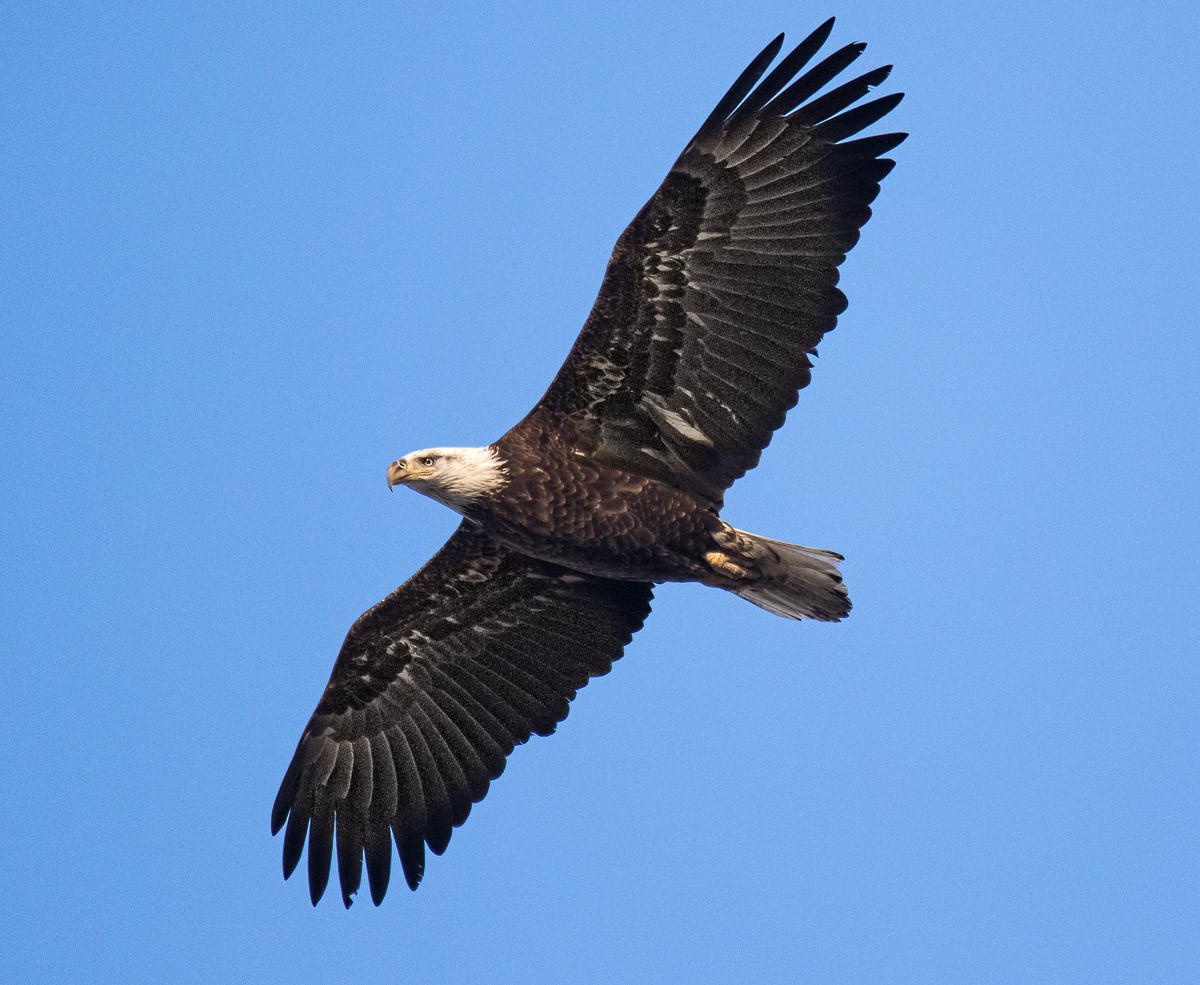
x: 795, y: 582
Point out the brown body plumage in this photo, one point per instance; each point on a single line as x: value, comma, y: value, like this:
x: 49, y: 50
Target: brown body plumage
x: 715, y: 298
x: 560, y: 504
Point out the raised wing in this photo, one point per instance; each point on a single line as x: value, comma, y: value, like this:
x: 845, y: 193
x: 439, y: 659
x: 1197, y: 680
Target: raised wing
x: 720, y: 289
x: 433, y: 688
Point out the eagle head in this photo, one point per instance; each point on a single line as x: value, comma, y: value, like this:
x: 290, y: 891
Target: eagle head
x: 455, y: 477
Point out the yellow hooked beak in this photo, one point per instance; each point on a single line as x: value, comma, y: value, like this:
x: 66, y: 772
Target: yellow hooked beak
x: 397, y: 473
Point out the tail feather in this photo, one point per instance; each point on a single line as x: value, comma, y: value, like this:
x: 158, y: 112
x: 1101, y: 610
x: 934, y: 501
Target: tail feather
x: 796, y: 582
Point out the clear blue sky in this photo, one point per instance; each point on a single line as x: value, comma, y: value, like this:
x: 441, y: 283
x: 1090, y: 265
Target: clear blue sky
x: 253, y: 252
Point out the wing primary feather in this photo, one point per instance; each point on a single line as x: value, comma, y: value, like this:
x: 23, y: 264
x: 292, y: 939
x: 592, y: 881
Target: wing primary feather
x: 323, y: 763
x: 782, y: 73
x: 859, y: 118
x: 383, y: 785
x: 836, y: 100
x: 438, y: 826
x: 475, y: 773
x: 320, y: 845
x: 738, y: 91
x: 873, y: 146
x: 377, y: 842
x: 408, y: 822
x: 362, y: 783
x: 411, y: 848
x: 338, y: 784
x: 812, y: 80
x: 293, y: 840
x: 349, y: 831
x: 351, y: 820
x: 410, y: 798
x: 449, y: 769
x: 378, y: 848
x: 286, y: 796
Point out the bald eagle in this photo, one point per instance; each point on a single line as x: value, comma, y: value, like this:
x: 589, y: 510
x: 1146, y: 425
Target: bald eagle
x: 714, y: 299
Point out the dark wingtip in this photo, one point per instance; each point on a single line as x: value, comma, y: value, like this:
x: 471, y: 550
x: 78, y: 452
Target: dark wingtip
x: 411, y: 849
x: 316, y: 884
x: 782, y: 74
x: 293, y: 843
x: 413, y: 875
x: 812, y: 81
x: 878, y: 76
x: 439, y: 840
x: 319, y: 862
x: 282, y: 806
x: 819, y: 36
x: 379, y: 861
x: 739, y: 90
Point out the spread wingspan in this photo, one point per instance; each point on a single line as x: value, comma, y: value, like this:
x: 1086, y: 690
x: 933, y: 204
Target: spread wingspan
x: 720, y: 289
x: 714, y: 299
x: 433, y: 688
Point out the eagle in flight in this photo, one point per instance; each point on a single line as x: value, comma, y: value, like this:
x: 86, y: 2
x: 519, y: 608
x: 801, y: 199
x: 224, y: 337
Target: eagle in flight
x: 714, y: 299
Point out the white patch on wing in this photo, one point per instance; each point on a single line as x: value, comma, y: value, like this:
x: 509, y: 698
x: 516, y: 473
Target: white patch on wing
x: 566, y: 579
x: 611, y: 375
x: 670, y: 420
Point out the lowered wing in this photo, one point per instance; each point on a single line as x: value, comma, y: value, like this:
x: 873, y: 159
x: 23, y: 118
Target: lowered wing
x: 720, y: 289
x: 433, y: 688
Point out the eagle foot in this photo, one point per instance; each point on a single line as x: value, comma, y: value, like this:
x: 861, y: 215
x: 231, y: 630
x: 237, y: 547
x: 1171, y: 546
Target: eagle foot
x: 724, y: 564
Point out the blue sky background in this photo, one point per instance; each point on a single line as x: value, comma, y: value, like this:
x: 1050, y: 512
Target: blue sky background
x: 252, y: 253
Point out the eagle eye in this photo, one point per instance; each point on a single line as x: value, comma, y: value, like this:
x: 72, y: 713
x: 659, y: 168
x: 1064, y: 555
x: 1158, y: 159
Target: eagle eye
x: 427, y: 461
